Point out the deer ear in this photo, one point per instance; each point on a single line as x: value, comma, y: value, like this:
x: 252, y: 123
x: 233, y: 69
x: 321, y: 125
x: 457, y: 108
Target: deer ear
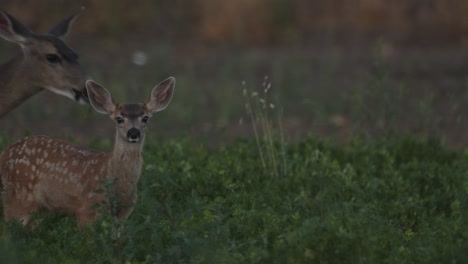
x: 100, y: 98
x: 62, y: 28
x: 12, y: 30
x: 161, y: 95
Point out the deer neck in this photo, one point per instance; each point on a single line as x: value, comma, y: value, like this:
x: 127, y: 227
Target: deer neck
x: 16, y: 84
x: 125, y: 165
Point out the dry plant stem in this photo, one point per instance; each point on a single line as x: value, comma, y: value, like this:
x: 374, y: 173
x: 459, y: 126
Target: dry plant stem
x: 267, y: 127
x: 253, y: 118
x: 258, y: 111
x: 283, y: 151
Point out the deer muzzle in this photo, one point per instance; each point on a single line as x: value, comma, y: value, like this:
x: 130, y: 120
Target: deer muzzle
x: 133, y: 135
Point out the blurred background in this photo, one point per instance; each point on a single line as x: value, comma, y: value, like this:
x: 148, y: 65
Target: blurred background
x: 338, y: 68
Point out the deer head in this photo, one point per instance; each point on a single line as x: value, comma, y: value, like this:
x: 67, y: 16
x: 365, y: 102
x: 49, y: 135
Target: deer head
x: 131, y: 119
x: 45, y: 62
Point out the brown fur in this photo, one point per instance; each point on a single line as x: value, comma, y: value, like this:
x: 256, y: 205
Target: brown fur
x: 29, y: 72
x: 39, y: 172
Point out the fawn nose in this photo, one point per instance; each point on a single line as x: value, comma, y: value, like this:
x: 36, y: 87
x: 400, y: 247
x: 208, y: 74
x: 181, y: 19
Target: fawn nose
x: 133, y: 135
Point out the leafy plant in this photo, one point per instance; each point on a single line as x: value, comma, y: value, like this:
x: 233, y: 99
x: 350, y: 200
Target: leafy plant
x: 395, y: 200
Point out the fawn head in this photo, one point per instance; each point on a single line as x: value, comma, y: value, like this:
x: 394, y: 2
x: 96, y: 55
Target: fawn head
x: 131, y: 119
x: 47, y: 61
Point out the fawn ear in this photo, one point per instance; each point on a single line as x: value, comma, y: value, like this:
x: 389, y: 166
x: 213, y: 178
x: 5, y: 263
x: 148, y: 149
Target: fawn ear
x: 100, y: 98
x: 63, y: 27
x: 12, y: 30
x: 161, y: 95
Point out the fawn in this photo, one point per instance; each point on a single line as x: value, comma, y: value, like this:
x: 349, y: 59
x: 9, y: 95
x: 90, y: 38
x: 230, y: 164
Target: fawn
x: 45, y: 62
x: 39, y: 172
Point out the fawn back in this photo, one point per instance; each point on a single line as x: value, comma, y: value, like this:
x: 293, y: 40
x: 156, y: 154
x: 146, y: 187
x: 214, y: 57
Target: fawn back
x: 39, y: 172
x: 45, y: 62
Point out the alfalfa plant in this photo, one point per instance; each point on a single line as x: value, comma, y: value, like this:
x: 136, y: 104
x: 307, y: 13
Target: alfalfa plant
x: 112, y: 235
x: 265, y: 118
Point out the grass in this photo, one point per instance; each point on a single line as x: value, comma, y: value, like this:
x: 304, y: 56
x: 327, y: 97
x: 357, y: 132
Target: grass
x: 321, y: 93
x: 326, y: 90
x: 267, y: 129
x: 391, y: 201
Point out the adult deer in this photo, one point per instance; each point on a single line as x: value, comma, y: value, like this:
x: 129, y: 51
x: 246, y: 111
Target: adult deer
x: 45, y: 62
x: 43, y: 173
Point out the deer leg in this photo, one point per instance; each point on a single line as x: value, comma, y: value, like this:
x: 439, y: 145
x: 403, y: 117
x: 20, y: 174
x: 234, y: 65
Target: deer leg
x: 20, y: 209
x: 85, y: 215
x: 124, y: 213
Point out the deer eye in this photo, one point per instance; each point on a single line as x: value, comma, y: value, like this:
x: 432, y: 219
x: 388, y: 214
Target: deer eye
x: 53, y: 58
x: 145, y: 119
x: 119, y: 120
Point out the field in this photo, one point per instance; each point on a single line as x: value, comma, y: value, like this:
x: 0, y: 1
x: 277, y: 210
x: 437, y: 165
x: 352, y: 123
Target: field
x: 337, y: 73
x: 299, y: 132
x: 391, y: 201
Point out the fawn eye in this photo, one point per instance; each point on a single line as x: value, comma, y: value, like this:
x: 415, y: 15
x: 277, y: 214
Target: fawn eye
x: 119, y: 120
x: 53, y: 58
x: 145, y: 119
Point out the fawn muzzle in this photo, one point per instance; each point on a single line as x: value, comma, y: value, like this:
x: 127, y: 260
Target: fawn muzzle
x: 133, y: 135
x: 81, y: 96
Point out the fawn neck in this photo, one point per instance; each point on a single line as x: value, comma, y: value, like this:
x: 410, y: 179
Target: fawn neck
x: 125, y: 164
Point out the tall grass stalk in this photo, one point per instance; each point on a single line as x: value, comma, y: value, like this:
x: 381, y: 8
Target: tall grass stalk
x: 253, y: 118
x: 259, y: 109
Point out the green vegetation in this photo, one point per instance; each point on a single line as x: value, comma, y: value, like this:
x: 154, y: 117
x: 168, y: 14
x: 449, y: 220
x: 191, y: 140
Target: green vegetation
x: 390, y: 201
x: 383, y: 199
x: 331, y: 96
